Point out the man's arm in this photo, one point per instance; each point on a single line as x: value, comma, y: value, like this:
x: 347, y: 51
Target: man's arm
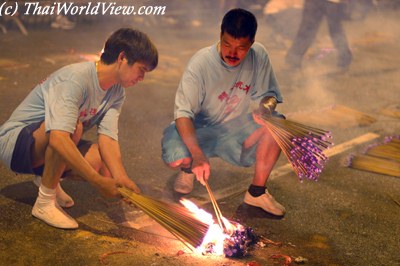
x: 111, y: 154
x: 62, y: 143
x: 200, y: 164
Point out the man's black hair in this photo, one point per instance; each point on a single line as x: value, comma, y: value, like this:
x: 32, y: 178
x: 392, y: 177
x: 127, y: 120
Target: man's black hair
x: 239, y: 23
x: 136, y: 46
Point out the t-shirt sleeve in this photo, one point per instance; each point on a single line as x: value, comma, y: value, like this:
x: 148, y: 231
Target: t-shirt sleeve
x: 108, y: 125
x: 266, y: 82
x: 62, y: 102
x: 189, y: 94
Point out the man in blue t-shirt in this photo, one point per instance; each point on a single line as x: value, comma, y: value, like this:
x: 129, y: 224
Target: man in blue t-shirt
x: 43, y: 135
x: 212, y: 116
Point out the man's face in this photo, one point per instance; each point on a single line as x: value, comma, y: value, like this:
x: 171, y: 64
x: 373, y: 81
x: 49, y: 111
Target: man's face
x: 129, y: 75
x: 234, y: 50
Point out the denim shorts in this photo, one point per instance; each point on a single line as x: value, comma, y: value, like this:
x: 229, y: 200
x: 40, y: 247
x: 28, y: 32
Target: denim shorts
x: 224, y: 141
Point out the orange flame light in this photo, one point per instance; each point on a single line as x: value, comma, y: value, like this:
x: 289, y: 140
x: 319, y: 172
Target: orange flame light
x: 215, y: 235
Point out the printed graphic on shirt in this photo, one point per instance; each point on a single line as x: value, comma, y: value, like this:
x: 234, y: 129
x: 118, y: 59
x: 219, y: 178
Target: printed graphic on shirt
x: 86, y: 116
x: 241, y: 86
x: 232, y: 101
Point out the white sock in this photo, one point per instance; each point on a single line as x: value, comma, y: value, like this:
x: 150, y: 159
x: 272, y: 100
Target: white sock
x: 46, y: 197
x: 63, y: 199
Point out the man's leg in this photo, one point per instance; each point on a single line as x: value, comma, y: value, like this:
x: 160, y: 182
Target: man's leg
x: 38, y: 158
x: 180, y: 163
x: 46, y: 208
x: 311, y: 19
x: 335, y: 14
x: 176, y: 156
x: 267, y: 153
x: 91, y: 153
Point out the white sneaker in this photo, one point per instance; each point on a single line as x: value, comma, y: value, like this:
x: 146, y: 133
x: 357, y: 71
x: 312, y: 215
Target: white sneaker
x: 265, y: 202
x: 184, y: 182
x: 63, y: 199
x: 62, y: 22
x: 54, y: 215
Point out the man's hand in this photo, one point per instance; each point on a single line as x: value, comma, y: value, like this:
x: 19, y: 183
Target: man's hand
x: 267, y: 106
x: 201, y: 168
x: 200, y: 164
x: 107, y: 186
x: 126, y: 182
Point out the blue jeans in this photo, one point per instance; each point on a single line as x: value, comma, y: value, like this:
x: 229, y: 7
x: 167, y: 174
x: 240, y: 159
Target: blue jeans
x: 224, y: 141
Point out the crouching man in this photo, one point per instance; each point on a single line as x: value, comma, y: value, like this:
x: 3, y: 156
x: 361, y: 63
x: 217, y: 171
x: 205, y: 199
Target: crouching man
x: 211, y: 111
x: 43, y: 135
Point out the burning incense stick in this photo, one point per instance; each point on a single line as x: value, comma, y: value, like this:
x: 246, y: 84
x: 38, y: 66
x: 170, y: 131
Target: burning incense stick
x: 302, y: 145
x: 194, y: 227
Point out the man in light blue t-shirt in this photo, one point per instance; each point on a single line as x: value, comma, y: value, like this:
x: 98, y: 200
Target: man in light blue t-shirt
x: 212, y: 116
x: 43, y: 135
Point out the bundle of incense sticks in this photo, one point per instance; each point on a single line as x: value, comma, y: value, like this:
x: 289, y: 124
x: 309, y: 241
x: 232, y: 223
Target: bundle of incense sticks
x: 191, y: 231
x: 175, y: 218
x: 303, y: 145
x: 335, y: 115
x: 390, y: 149
x: 379, y: 158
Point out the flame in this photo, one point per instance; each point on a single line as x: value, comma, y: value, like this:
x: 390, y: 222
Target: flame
x: 213, y: 241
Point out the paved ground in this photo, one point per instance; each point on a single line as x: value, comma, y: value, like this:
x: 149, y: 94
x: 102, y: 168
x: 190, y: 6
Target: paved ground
x: 348, y: 217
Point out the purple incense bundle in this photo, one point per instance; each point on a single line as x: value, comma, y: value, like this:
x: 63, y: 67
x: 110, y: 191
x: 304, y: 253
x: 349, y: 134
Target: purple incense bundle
x: 303, y: 145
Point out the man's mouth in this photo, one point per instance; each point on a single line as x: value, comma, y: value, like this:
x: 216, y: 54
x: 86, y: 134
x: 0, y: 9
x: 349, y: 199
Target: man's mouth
x: 232, y: 59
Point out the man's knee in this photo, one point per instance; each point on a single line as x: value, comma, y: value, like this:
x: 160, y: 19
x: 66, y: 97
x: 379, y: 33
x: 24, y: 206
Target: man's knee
x: 180, y: 163
x: 92, y: 155
x: 255, y: 137
x: 268, y: 140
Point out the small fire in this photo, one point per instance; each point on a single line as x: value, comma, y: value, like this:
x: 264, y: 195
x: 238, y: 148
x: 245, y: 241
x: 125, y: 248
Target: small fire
x: 231, y: 242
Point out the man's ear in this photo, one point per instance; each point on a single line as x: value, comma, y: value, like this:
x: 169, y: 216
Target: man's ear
x: 121, y: 56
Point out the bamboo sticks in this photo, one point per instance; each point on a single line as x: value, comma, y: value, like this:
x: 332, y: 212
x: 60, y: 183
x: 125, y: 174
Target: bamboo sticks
x: 379, y: 158
x: 217, y: 210
x: 335, y: 115
x: 375, y: 164
x: 175, y: 218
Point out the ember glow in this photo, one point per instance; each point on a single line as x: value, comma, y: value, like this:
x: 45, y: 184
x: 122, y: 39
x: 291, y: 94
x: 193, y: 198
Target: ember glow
x: 231, y: 242
x: 213, y: 241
